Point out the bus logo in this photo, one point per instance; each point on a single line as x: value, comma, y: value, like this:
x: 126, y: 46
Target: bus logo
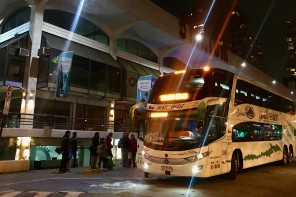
x: 250, y: 112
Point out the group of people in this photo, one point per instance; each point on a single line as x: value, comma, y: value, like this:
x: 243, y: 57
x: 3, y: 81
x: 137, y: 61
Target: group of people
x: 100, y: 151
x: 101, y: 148
x: 68, y: 149
x: 128, y: 150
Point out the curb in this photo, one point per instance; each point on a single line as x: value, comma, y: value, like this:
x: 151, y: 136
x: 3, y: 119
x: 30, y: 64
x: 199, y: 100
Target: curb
x: 92, y: 171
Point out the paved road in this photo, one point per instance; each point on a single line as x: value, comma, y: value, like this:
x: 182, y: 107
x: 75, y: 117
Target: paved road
x: 264, y: 181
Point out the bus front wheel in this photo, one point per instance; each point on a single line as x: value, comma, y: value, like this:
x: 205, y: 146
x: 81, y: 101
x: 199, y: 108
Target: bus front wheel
x: 236, y: 165
x: 146, y: 174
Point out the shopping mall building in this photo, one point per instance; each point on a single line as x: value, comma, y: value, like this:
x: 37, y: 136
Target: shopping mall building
x: 114, y: 43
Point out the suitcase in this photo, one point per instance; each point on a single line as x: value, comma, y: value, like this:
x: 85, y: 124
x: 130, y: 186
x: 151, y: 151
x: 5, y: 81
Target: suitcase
x: 108, y: 163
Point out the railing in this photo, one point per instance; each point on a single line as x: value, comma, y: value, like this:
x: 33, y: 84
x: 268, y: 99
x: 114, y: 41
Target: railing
x: 40, y: 121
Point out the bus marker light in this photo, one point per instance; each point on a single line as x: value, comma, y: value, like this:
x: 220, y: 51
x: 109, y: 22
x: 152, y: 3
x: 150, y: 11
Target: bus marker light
x: 159, y: 114
x: 200, y: 156
x: 192, y: 158
x: 173, y: 97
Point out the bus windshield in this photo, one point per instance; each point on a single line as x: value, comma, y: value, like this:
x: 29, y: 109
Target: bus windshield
x: 174, y: 133
x: 198, y: 84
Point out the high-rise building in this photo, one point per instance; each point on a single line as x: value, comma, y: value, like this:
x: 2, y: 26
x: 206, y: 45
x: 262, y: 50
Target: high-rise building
x: 291, y: 47
x: 231, y: 31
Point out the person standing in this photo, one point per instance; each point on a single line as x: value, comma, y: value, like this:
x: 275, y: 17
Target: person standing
x: 109, y: 162
x: 93, y: 150
x: 125, y: 148
x: 65, y: 148
x: 133, y: 150
x: 102, y: 152
x: 74, y: 149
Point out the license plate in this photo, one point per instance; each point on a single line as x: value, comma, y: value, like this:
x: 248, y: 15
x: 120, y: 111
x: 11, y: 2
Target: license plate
x: 166, y: 168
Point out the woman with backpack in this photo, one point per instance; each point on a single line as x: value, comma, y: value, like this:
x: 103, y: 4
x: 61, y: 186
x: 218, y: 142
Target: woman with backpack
x: 102, y: 152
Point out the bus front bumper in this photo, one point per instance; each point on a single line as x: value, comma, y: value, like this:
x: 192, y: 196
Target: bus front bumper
x: 191, y: 169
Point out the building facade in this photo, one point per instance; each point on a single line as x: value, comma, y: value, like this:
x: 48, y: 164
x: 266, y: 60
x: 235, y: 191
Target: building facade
x: 113, y: 42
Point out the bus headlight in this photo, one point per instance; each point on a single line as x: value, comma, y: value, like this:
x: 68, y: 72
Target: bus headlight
x: 196, y: 169
x: 145, y: 166
x: 192, y: 158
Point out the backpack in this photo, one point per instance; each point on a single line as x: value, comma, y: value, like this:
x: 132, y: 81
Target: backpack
x: 102, y: 150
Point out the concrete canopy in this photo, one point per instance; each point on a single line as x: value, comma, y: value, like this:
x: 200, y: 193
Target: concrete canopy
x: 142, y: 21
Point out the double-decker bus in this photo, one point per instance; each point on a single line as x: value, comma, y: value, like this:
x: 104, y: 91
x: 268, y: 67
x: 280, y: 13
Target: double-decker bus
x: 206, y: 122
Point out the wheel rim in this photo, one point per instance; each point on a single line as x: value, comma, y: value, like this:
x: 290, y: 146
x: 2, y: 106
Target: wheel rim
x: 236, y: 161
x: 285, y: 157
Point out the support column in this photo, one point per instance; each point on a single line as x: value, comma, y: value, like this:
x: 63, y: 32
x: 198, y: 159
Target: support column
x: 110, y: 116
x: 30, y: 76
x: 113, y: 47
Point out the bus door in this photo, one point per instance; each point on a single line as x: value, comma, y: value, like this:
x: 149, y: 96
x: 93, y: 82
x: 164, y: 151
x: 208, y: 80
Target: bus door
x: 141, y: 125
x: 225, y: 162
x: 215, y: 136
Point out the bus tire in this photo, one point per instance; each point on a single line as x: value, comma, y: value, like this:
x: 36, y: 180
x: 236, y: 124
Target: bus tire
x: 146, y: 174
x: 285, y: 158
x: 236, y: 165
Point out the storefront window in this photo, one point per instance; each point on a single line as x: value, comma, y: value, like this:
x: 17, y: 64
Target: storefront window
x: 113, y: 79
x: 7, y: 148
x: 16, y: 66
x: 79, y: 74
x: 97, y: 76
x: 43, y: 71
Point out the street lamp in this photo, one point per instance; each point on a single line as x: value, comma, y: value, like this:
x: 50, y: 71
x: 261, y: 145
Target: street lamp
x: 198, y: 37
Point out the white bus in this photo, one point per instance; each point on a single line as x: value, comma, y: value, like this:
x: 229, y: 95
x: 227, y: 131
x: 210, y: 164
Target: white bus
x: 203, y: 123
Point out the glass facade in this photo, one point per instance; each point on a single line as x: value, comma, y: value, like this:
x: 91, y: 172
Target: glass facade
x: 17, y: 19
x: 84, y: 27
x: 7, y: 148
x: 85, y: 73
x: 136, y: 48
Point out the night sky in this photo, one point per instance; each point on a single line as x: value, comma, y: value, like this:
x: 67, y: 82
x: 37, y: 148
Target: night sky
x: 266, y: 21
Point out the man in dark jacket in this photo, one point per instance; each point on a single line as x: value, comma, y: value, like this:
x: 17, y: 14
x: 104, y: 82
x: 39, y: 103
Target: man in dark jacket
x: 125, y: 147
x: 65, y: 146
x: 93, y: 150
x: 74, y: 148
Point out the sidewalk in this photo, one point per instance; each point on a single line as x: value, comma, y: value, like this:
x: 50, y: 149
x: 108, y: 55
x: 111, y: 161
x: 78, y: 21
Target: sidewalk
x: 33, y: 175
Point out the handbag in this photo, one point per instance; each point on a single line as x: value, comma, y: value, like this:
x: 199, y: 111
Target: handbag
x: 70, y: 153
x: 120, y: 144
x: 58, y: 149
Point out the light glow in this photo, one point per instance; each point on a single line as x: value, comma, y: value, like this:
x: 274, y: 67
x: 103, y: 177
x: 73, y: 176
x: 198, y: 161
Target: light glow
x: 196, y: 169
x: 145, y: 166
x: 198, y: 37
x: 159, y: 114
x: 172, y: 97
x: 206, y: 68
x: 180, y: 71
